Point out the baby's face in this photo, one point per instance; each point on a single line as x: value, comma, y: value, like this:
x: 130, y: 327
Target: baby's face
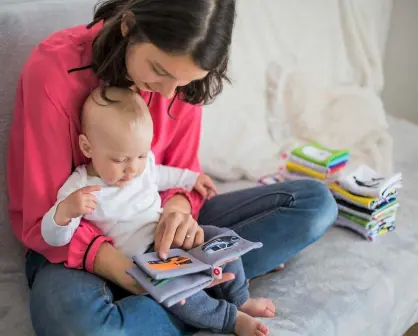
x: 117, y: 161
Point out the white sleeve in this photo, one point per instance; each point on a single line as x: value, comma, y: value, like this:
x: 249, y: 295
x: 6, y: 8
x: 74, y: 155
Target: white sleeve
x: 52, y: 233
x: 171, y: 177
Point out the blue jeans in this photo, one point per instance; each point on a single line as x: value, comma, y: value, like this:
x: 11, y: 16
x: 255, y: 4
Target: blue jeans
x: 286, y: 217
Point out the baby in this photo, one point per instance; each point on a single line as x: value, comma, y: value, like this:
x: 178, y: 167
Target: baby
x: 118, y: 191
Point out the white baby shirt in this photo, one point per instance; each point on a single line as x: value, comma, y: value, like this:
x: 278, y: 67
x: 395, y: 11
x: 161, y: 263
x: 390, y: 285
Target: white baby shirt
x: 127, y: 214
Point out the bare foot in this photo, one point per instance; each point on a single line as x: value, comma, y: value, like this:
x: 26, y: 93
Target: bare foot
x: 259, y: 308
x: 278, y: 269
x: 249, y: 326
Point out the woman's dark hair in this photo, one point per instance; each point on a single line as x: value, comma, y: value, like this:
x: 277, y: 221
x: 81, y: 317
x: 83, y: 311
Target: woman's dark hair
x: 201, y: 28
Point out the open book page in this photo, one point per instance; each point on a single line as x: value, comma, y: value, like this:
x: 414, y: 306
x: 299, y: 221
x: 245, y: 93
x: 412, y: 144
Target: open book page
x: 222, y: 248
x: 178, y: 263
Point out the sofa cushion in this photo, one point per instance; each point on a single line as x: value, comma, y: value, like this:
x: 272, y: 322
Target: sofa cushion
x: 23, y: 24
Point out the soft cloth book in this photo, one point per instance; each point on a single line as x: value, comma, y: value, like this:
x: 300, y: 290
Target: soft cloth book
x: 320, y: 155
x: 183, y: 273
x: 367, y: 182
x: 295, y: 167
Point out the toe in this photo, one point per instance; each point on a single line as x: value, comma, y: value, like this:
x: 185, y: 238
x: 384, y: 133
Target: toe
x: 263, y: 329
x: 278, y: 269
x: 269, y: 313
x: 271, y: 307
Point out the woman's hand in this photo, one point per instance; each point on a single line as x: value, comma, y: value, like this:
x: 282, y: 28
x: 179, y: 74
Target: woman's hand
x: 225, y: 278
x: 177, y: 229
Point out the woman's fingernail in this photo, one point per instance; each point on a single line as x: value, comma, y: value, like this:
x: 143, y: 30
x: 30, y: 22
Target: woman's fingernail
x: 163, y: 256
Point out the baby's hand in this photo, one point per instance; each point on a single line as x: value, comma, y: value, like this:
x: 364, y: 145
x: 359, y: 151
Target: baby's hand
x: 205, y: 186
x: 81, y: 202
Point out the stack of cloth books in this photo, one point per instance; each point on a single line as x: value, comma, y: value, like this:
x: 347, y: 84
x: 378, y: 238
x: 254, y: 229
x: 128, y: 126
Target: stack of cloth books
x: 367, y: 201
x: 313, y: 161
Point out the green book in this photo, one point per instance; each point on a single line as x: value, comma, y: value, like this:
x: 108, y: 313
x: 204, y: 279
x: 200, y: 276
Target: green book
x: 321, y: 155
x: 360, y: 221
x: 364, y: 222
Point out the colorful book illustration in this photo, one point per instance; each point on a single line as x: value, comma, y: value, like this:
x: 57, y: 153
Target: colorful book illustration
x: 183, y: 273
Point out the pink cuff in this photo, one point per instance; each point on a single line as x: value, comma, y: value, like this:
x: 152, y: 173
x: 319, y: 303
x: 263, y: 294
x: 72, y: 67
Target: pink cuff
x: 90, y: 255
x: 84, y: 246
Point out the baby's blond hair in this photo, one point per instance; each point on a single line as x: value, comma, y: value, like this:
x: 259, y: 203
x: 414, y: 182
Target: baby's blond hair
x: 123, y: 112
x: 123, y: 106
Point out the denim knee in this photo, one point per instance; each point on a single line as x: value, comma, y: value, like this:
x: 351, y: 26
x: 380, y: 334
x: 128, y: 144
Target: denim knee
x: 318, y: 197
x: 315, y: 205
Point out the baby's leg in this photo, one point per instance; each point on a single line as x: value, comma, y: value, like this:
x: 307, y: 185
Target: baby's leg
x: 205, y: 312
x: 236, y: 292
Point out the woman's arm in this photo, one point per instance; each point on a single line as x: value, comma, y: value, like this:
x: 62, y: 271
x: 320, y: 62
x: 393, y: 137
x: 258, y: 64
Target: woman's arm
x: 183, y: 153
x: 178, y: 226
x: 39, y: 162
x: 39, y: 157
x: 112, y: 265
x: 178, y: 202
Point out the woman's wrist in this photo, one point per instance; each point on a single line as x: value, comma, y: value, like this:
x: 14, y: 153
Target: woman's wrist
x: 178, y: 203
x: 112, y: 265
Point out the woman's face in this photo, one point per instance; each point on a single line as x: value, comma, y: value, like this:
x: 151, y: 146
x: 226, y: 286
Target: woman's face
x: 152, y: 69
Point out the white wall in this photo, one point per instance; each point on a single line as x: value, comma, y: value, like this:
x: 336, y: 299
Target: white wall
x: 401, y: 65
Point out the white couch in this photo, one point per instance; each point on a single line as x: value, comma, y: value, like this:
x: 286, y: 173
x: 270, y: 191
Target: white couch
x: 341, y: 286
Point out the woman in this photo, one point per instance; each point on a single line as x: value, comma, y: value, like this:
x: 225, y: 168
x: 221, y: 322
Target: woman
x: 176, y: 54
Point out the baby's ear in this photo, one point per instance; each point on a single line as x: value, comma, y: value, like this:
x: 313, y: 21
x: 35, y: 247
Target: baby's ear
x: 85, y: 146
